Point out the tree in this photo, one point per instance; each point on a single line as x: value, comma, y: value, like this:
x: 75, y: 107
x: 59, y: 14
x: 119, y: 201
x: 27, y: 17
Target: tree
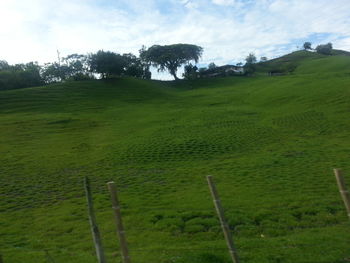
x: 191, y: 72
x: 19, y: 75
x: 250, y: 59
x: 325, y: 49
x: 307, y: 45
x: 52, y: 72
x: 30, y: 74
x: 135, y: 67
x: 263, y: 59
x: 77, y: 64
x: 211, y: 65
x: 4, y: 65
x: 171, y: 57
x: 107, y: 63
x: 72, y: 67
x: 249, y: 67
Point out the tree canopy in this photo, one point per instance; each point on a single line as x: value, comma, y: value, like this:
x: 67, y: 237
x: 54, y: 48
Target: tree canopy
x: 171, y: 57
x: 107, y: 63
x: 325, y: 49
x: 249, y: 67
x: 19, y: 75
x: 250, y: 59
x: 211, y: 65
x: 307, y: 45
x: 110, y: 64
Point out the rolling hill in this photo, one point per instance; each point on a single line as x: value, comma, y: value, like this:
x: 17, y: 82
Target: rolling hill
x: 307, y: 62
x: 269, y: 142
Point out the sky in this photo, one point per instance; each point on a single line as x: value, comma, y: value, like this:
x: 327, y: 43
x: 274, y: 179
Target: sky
x: 228, y: 30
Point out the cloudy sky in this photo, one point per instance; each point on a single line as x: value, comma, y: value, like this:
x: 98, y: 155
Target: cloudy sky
x: 32, y: 30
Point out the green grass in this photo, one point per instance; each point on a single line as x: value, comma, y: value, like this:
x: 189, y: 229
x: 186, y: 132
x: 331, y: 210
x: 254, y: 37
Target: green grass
x: 269, y: 142
x: 306, y: 62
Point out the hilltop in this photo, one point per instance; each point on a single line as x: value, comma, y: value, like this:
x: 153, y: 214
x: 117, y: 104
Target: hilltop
x: 306, y: 62
x: 269, y: 142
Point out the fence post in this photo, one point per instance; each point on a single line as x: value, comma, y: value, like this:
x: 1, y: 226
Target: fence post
x: 119, y: 223
x: 1, y: 260
x: 93, y: 224
x: 224, y: 225
x: 342, y: 189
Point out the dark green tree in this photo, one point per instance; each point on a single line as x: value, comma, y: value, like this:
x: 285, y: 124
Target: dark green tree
x: 55, y: 72
x: 171, y: 57
x: 211, y: 65
x: 307, y: 45
x: 77, y: 64
x: 107, y: 63
x: 4, y: 65
x: 191, y: 72
x: 325, y: 49
x: 72, y: 67
x: 249, y: 67
x: 135, y: 67
x: 20, y: 75
x: 250, y: 59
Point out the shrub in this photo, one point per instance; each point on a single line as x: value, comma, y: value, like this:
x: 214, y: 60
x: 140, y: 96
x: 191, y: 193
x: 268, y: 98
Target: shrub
x: 325, y: 49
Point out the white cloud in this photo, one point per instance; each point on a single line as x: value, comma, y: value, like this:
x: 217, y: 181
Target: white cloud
x: 34, y: 29
x: 224, y: 2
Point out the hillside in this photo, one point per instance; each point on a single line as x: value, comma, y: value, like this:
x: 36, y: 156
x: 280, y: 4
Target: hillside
x: 306, y: 62
x: 269, y: 142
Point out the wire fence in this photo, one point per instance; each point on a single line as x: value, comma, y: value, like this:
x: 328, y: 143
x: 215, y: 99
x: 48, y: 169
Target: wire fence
x: 51, y: 254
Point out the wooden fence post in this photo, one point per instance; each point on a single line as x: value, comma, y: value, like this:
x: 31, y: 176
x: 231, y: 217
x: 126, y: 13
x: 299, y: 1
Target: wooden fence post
x: 342, y: 189
x: 93, y: 224
x: 119, y: 223
x: 224, y: 225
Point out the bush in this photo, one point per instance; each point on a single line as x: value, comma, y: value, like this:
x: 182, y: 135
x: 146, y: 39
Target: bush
x: 325, y: 49
x: 81, y: 76
x: 191, y: 72
x: 20, y: 76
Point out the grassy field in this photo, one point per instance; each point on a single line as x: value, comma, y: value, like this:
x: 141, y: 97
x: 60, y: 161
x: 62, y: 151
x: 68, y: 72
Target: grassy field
x: 269, y: 142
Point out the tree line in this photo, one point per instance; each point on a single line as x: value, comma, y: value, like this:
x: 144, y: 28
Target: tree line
x: 107, y: 64
x: 102, y: 64
x: 324, y: 49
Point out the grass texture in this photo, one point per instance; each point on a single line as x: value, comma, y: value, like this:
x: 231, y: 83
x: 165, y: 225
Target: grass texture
x: 269, y: 142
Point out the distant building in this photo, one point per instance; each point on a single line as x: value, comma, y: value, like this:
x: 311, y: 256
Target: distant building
x: 226, y: 70
x: 235, y: 69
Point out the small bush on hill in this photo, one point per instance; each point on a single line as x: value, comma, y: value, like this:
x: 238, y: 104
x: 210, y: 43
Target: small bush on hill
x: 307, y: 45
x: 325, y: 49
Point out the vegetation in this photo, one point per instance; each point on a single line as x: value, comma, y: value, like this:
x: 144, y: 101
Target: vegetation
x: 110, y: 64
x: 325, y: 49
x: 270, y: 144
x: 19, y: 76
x: 171, y: 57
x: 302, y: 62
x: 191, y: 72
x: 307, y: 46
x: 211, y: 65
x: 107, y: 64
x: 74, y: 67
x: 249, y: 67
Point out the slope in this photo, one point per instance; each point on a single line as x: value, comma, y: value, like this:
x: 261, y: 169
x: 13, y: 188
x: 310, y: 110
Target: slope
x: 306, y: 62
x: 269, y: 142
